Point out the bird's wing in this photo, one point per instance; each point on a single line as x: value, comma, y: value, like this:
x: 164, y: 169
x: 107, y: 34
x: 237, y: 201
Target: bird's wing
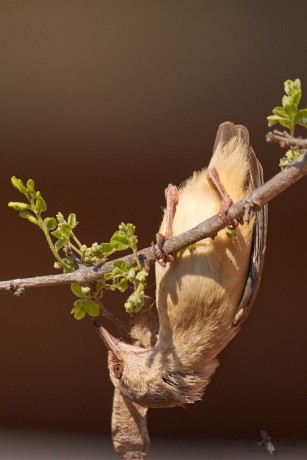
x: 144, y: 326
x: 258, y: 247
x: 225, y: 132
x: 129, y: 426
x: 270, y: 448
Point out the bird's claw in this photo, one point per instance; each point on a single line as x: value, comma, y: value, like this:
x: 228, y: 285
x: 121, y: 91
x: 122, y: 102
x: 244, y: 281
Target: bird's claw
x: 230, y: 222
x: 226, y: 201
x: 162, y: 257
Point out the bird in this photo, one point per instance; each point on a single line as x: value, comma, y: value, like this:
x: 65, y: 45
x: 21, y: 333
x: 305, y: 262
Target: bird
x: 266, y: 441
x: 203, y: 294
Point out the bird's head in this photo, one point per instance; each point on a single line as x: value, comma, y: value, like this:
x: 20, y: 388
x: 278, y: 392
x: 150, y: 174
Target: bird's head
x: 147, y: 376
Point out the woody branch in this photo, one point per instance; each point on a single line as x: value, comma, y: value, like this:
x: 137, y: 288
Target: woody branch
x: 207, y: 229
x: 284, y: 139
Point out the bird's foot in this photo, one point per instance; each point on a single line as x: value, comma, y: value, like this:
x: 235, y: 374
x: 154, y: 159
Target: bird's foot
x: 226, y: 201
x: 162, y: 257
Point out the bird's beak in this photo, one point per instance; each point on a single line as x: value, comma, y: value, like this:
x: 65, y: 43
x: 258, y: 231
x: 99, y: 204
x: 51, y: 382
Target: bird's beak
x: 108, y: 339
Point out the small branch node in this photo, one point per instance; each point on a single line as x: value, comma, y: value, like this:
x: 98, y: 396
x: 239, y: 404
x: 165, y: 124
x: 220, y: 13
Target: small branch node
x: 17, y: 289
x: 214, y: 235
x: 284, y: 139
x: 97, y: 267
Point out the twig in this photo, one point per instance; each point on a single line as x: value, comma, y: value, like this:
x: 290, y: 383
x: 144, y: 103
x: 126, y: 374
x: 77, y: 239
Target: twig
x: 284, y: 139
x: 207, y: 229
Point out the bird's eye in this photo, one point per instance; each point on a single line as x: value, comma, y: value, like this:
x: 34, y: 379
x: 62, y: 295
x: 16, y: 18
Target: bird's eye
x: 118, y: 370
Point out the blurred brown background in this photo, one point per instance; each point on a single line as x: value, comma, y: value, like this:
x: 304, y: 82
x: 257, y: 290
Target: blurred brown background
x: 104, y: 103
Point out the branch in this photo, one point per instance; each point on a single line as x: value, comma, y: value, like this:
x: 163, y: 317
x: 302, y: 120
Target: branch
x: 284, y: 139
x: 207, y: 229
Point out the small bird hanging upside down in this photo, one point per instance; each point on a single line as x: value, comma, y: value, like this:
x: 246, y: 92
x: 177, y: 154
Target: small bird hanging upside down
x: 202, y: 296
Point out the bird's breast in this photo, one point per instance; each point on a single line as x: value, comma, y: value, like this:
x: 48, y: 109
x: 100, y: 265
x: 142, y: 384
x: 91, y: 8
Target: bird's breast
x: 198, y: 293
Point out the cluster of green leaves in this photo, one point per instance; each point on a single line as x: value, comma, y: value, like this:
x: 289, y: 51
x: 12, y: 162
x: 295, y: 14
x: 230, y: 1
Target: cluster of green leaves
x: 289, y: 116
x: 67, y: 249
x: 122, y: 273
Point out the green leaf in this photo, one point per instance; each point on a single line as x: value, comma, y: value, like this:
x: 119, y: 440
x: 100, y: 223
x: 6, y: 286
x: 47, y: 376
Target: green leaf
x: 192, y: 247
x: 301, y: 117
x: 72, y: 220
x: 119, y: 241
x: 303, y: 122
x: 18, y: 205
x: 280, y: 112
x: 122, y: 285
x: 283, y: 163
x: 62, y: 233
x: 60, y: 218
x: 29, y: 216
x: 292, y: 86
x: 296, y: 97
x: 79, y: 310
x: 136, y: 300
x: 121, y: 265
x: 230, y: 232
x: 92, y: 307
x: 107, y: 248
x: 57, y: 265
x: 30, y: 186
x: 69, y: 265
x: 50, y: 222
x: 131, y: 274
x: 58, y: 245
x: 17, y: 183
x: 289, y: 106
x: 285, y: 123
x: 127, y: 229
x: 142, y: 275
x: 57, y: 234
x: 76, y: 289
x: 14, y: 181
x: 108, y: 287
x: 291, y: 155
x: 273, y: 120
x: 40, y: 203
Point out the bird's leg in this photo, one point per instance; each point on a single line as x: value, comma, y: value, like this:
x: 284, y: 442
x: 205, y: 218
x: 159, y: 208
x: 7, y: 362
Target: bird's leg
x: 226, y: 200
x: 171, y: 195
